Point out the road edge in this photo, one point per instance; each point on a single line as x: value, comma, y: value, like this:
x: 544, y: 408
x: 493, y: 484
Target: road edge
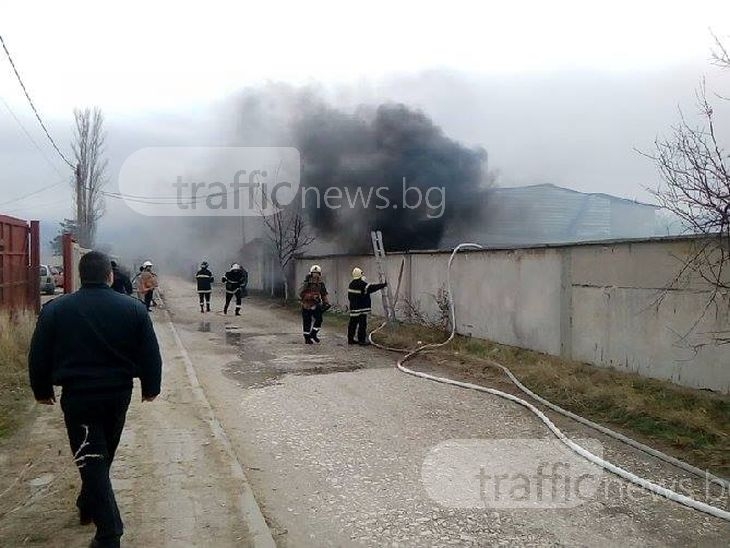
x: 251, y: 512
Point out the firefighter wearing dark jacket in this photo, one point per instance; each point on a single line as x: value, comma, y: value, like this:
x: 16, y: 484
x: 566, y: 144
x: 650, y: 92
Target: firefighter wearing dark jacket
x: 93, y: 343
x: 358, y: 293
x: 236, y: 280
x: 313, y: 296
x: 204, y: 279
x: 121, y: 283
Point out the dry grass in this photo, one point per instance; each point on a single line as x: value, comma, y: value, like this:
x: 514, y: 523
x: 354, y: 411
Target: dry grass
x: 15, y: 333
x: 691, y: 424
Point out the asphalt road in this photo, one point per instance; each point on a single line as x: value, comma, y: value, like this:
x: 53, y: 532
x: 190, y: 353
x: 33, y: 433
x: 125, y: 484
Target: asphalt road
x: 342, y: 450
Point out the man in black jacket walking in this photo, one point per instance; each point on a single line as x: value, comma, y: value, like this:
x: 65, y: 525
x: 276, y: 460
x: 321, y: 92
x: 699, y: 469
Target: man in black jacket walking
x: 93, y: 343
x: 358, y: 295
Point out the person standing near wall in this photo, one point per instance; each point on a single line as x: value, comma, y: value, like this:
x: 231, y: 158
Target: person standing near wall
x: 93, y: 343
x: 358, y: 295
x: 314, y: 300
x: 204, y: 279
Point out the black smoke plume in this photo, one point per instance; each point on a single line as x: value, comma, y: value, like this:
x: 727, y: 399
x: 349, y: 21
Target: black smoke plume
x: 381, y: 148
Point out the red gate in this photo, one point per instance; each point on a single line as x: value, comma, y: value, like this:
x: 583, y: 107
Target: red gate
x: 19, y: 263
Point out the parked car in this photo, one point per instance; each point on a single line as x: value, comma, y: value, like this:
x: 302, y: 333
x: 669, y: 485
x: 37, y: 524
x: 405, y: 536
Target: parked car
x: 48, y: 286
x: 57, y: 273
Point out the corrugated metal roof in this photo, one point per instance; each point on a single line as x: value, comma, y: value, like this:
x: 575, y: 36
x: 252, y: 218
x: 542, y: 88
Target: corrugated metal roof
x: 548, y: 213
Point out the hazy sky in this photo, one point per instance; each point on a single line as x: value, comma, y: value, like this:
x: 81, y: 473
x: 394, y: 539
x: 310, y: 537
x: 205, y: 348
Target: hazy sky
x: 556, y: 91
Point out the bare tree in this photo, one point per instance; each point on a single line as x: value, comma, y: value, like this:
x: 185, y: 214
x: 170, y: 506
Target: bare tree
x: 91, y: 166
x: 286, y: 229
x: 694, y: 167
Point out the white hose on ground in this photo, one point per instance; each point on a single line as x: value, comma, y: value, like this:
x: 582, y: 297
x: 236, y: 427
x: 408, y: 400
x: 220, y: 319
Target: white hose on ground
x: 646, y: 484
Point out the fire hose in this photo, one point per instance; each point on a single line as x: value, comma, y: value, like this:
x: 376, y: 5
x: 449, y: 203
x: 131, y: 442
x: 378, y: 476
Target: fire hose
x: 606, y: 465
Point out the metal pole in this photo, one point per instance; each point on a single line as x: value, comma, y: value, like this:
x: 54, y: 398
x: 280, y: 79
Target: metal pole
x: 68, y: 263
x: 79, y: 205
x: 35, y: 265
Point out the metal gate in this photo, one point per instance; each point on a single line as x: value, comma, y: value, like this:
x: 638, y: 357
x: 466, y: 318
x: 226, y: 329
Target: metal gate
x: 19, y: 263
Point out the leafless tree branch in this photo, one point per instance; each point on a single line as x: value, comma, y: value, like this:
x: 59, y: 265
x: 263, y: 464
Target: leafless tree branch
x: 694, y: 167
x: 287, y: 231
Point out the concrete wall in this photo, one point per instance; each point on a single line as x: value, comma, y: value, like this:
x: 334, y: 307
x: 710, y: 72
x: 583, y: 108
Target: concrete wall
x: 596, y: 303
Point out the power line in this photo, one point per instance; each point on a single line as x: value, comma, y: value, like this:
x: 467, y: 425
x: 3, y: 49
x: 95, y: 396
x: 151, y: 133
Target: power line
x: 31, y: 194
x: 30, y: 101
x: 30, y: 137
x: 163, y: 200
x: 36, y: 207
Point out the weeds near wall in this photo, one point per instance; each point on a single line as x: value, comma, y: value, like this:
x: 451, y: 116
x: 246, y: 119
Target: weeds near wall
x: 441, y: 320
x: 16, y: 330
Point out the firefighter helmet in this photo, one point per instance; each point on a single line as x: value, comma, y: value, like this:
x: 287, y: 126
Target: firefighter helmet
x: 316, y: 269
x: 236, y: 266
x: 147, y: 264
x: 357, y: 273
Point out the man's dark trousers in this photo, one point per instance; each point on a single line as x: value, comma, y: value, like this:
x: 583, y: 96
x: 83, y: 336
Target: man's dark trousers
x: 238, y: 294
x: 357, y: 327
x: 94, y: 422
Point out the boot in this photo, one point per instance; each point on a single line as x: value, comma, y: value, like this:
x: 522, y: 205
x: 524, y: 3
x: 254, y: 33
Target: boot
x: 315, y: 338
x: 308, y: 339
x: 238, y: 311
x: 201, y: 308
x: 207, y: 307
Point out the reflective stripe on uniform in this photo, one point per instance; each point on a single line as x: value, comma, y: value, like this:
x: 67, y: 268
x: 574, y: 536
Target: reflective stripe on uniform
x: 205, y: 290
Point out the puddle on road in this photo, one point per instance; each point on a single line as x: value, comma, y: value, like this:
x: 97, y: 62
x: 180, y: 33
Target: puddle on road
x: 249, y: 374
x: 319, y: 370
x: 233, y: 337
x: 261, y: 368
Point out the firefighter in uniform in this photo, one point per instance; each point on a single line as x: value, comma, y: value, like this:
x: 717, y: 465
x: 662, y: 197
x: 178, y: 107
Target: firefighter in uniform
x: 204, y: 278
x: 146, y: 285
x: 313, y: 296
x: 358, y: 294
x: 236, y: 280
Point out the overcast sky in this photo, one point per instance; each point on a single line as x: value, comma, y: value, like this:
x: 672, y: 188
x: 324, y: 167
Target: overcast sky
x: 559, y: 92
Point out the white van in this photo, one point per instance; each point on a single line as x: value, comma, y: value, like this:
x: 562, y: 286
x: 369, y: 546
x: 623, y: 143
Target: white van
x: 48, y: 285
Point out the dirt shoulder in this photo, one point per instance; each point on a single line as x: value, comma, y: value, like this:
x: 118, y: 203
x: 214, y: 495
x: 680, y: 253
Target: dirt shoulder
x: 174, y: 480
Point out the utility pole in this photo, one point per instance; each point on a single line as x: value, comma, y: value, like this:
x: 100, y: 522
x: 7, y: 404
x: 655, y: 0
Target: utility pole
x: 79, y: 204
